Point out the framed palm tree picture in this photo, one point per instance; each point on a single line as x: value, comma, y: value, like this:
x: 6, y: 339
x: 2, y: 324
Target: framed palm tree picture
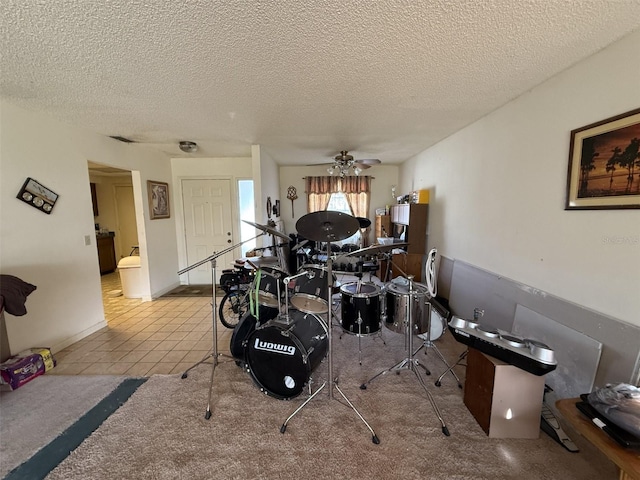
x: 604, y: 164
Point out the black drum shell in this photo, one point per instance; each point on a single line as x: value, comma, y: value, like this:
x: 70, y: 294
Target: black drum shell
x: 281, y: 354
x: 360, y: 301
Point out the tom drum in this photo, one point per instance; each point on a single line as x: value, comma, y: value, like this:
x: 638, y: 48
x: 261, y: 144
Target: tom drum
x: 360, y: 310
x: 397, y: 303
x: 310, y: 294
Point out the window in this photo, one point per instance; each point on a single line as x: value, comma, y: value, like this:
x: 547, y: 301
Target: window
x: 247, y: 212
x: 347, y: 194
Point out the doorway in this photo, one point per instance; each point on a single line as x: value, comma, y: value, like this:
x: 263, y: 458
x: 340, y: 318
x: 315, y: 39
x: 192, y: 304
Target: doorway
x: 208, y: 226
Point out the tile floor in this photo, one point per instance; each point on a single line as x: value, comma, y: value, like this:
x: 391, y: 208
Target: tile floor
x: 167, y: 335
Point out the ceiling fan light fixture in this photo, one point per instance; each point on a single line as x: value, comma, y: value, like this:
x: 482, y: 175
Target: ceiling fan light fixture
x: 188, y: 147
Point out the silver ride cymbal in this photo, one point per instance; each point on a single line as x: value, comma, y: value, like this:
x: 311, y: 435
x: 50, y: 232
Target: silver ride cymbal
x: 327, y: 226
x: 267, y: 229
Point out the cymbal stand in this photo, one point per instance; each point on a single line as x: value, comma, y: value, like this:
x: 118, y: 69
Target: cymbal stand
x: 410, y: 363
x: 332, y: 382
x: 214, y: 317
x: 432, y: 289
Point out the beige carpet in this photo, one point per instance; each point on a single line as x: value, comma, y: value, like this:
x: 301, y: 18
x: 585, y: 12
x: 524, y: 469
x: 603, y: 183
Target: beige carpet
x: 161, y: 432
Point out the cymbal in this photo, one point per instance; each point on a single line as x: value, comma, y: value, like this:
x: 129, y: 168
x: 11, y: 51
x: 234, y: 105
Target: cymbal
x: 267, y: 229
x: 327, y: 226
x: 375, y: 249
x: 364, y: 222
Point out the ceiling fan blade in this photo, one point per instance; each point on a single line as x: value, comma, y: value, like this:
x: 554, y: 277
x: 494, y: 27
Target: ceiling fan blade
x: 368, y: 161
x: 362, y: 166
x: 319, y: 164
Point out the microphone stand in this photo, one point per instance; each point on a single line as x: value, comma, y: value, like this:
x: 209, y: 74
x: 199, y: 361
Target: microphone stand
x: 214, y: 316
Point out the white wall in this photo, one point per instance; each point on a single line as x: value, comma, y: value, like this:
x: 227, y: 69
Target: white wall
x: 266, y: 184
x: 49, y: 251
x: 385, y: 176
x: 498, y: 190
x: 232, y: 168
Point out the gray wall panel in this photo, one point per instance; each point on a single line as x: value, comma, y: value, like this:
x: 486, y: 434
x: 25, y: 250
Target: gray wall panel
x: 472, y: 287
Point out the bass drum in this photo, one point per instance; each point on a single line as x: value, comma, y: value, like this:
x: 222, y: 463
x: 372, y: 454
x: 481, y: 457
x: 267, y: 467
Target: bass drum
x: 281, y: 356
x: 242, y: 330
x: 397, y: 301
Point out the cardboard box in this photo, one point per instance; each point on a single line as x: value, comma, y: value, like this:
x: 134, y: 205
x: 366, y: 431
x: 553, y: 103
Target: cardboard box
x: 26, y: 366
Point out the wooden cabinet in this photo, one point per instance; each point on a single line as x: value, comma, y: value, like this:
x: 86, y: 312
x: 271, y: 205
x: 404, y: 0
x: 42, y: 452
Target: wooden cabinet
x: 106, y: 253
x: 403, y: 263
x: 414, y: 218
x: 383, y: 226
x: 94, y: 199
x: 505, y: 400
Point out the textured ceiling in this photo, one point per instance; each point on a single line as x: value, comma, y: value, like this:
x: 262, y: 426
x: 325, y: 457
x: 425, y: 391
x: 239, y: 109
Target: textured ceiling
x: 384, y: 79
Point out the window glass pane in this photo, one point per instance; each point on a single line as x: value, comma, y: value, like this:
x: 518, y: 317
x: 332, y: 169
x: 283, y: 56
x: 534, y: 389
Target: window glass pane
x: 247, y: 212
x: 338, y: 203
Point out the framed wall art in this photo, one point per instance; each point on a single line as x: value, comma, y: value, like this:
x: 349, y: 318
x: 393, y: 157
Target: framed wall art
x: 37, y: 195
x: 604, y: 164
x: 158, y: 193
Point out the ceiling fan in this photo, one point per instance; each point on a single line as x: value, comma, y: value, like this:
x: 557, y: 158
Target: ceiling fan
x: 343, y: 163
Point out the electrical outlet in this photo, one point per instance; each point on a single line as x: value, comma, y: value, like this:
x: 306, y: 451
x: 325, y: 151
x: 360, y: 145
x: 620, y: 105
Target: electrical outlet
x: 87, y: 239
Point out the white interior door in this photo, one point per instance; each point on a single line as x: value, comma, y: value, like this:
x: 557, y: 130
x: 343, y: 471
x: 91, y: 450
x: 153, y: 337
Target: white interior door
x: 127, y: 230
x: 208, y: 226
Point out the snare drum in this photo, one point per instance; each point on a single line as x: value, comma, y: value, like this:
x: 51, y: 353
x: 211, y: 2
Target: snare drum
x: 397, y: 301
x: 281, y: 356
x: 310, y: 294
x: 360, y: 308
x: 271, y: 284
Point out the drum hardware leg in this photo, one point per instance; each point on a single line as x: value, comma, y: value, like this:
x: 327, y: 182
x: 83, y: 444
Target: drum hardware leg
x: 214, y: 355
x: 410, y: 363
x: 333, y: 383
x: 283, y: 428
x: 450, y: 370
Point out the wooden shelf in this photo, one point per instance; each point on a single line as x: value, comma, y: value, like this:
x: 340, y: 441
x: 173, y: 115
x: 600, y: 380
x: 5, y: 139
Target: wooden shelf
x: 106, y: 253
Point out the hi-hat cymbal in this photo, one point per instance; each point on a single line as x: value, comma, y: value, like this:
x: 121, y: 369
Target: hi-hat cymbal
x: 267, y: 229
x: 327, y: 226
x: 374, y: 249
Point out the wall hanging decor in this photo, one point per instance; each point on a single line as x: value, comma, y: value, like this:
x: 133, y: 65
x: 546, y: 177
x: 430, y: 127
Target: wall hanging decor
x: 37, y: 195
x: 158, y: 193
x: 276, y: 208
x: 604, y: 163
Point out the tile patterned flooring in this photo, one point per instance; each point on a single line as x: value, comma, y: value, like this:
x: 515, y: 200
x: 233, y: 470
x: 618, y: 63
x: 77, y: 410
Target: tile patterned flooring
x: 166, y: 335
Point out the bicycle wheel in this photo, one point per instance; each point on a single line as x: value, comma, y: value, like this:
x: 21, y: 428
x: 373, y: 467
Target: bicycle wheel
x: 232, y: 307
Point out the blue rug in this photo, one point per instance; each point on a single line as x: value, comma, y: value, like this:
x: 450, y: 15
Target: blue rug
x: 46, y: 459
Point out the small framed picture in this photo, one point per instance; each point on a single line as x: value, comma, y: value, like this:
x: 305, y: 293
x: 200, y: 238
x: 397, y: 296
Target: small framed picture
x: 604, y: 164
x: 158, y: 193
x: 37, y: 195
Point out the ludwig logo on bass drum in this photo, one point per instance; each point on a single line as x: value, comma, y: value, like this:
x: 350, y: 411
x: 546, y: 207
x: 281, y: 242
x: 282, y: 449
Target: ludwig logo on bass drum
x: 274, y: 347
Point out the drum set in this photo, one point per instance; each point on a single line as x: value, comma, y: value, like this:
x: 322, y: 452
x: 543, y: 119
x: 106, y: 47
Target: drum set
x: 281, y: 354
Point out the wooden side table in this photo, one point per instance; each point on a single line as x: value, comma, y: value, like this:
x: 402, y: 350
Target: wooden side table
x: 627, y: 460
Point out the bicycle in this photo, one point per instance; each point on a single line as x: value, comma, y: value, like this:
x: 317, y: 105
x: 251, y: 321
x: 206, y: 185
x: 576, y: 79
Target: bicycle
x: 235, y: 304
